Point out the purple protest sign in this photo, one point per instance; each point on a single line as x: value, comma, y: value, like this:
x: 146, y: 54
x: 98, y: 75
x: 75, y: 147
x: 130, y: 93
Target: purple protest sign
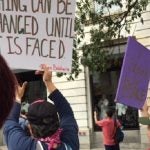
x: 135, y: 75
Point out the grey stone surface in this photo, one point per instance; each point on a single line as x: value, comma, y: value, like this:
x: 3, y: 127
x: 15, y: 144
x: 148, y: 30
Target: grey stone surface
x: 3, y: 148
x: 124, y: 146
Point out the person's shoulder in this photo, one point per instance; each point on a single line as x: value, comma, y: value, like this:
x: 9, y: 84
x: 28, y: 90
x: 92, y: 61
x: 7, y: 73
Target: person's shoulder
x: 102, y: 120
x: 109, y: 120
x: 106, y: 119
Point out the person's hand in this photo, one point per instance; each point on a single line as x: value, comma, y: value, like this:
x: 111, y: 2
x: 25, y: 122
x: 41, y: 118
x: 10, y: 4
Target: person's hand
x: 47, y: 74
x: 47, y: 77
x: 20, y: 91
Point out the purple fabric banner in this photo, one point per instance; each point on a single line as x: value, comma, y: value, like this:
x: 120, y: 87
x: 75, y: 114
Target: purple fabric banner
x: 135, y: 75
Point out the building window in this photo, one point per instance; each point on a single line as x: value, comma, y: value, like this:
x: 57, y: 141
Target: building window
x: 104, y: 86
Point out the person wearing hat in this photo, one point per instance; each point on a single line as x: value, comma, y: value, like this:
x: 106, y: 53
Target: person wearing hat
x: 52, y: 126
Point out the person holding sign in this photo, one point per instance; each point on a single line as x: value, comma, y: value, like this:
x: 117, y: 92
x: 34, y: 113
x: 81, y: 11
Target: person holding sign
x: 7, y: 90
x: 48, y: 130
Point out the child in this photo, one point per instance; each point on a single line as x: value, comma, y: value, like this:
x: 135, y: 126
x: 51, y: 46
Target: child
x: 108, y: 128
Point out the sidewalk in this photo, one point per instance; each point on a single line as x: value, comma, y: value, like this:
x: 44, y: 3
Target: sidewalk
x: 4, y: 148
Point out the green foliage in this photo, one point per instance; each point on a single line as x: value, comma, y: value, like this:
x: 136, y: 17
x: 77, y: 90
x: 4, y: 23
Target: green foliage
x: 75, y: 69
x: 111, y: 17
x: 75, y: 57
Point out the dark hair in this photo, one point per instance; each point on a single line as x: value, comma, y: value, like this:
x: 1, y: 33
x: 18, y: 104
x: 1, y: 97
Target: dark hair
x: 23, y: 112
x: 43, y: 118
x: 7, y: 90
x: 110, y: 112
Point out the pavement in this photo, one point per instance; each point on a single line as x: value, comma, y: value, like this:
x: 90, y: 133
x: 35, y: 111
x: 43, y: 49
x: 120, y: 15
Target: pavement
x: 5, y: 148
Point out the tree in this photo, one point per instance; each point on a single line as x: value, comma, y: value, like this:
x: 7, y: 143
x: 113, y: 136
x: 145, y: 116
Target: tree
x: 109, y: 25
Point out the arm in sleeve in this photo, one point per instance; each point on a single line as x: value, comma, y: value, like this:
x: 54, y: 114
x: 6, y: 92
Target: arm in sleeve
x: 100, y: 123
x: 15, y: 136
x: 15, y: 112
x: 62, y: 106
x: 67, y: 121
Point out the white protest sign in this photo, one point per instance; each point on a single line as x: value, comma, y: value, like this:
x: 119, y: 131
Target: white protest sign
x: 35, y: 32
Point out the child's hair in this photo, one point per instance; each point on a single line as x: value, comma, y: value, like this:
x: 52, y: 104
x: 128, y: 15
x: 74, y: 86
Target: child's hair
x: 7, y: 90
x: 23, y: 112
x: 110, y: 112
x: 43, y: 118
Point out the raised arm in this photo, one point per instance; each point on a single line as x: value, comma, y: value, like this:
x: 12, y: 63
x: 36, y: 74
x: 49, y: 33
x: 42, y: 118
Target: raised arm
x: 15, y: 137
x: 47, y: 79
x: 63, y: 107
x: 15, y: 113
x: 95, y: 117
x: 67, y: 120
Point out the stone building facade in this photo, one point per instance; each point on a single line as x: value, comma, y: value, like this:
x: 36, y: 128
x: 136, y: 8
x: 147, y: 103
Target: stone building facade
x: 80, y: 95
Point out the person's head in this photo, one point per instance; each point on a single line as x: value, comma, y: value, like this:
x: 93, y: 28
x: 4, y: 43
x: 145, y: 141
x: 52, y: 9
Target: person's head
x: 43, y: 118
x: 7, y: 90
x: 110, y: 113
